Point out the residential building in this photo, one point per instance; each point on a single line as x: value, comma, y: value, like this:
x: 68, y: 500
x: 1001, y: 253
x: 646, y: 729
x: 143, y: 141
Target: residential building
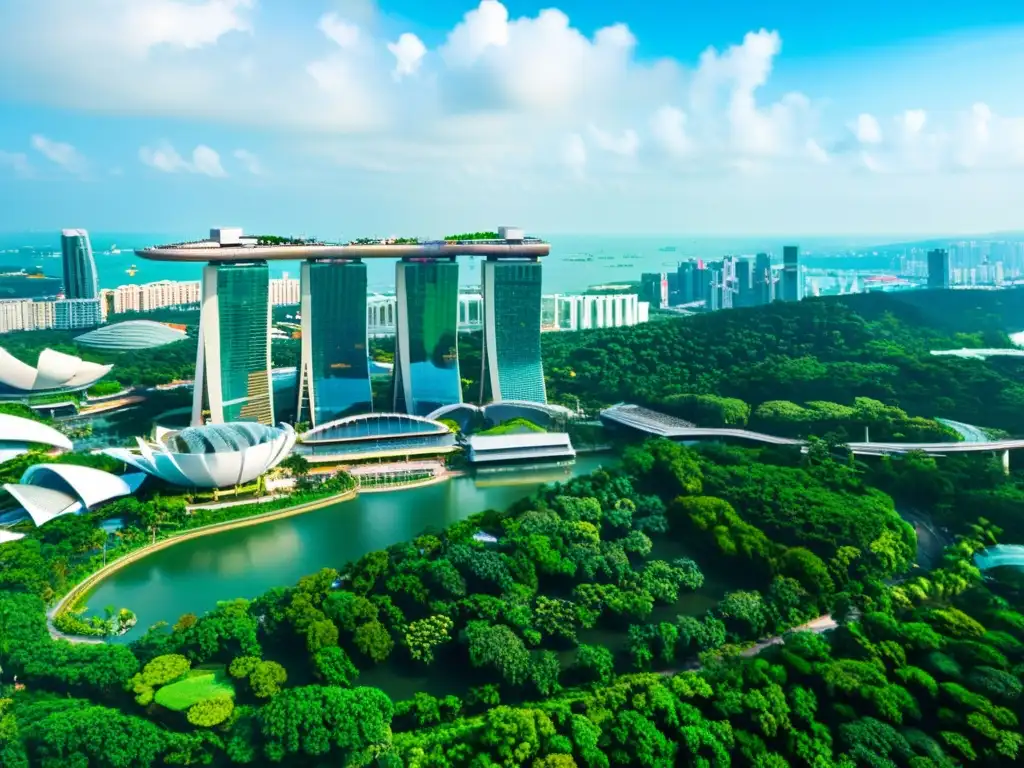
x: 80, y: 281
x: 654, y: 289
x: 26, y: 315
x: 70, y: 314
x: 577, y: 312
x: 764, y: 284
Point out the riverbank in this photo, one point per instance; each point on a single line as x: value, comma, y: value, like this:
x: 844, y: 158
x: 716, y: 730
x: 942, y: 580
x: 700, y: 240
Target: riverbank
x: 70, y: 599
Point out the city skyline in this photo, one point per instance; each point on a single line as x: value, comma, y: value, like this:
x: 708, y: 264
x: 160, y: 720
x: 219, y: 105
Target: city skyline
x: 663, y: 120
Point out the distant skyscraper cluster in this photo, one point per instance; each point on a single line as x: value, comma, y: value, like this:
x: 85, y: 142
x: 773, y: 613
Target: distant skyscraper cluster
x: 968, y: 263
x: 734, y: 281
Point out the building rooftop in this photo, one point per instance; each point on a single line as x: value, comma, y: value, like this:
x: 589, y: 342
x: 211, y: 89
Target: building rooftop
x: 131, y: 334
x: 230, y: 245
x: 74, y: 233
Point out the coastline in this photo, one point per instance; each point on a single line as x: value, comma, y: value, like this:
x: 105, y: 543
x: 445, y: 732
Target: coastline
x: 90, y: 581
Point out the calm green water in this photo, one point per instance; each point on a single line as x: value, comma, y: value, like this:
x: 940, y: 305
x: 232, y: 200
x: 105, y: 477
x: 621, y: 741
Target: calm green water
x: 193, y: 576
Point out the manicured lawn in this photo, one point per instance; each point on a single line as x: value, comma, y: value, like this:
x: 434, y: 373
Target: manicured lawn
x: 199, y: 684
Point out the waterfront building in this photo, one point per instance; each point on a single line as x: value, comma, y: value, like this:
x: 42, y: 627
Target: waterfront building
x: 46, y: 491
x: 26, y: 315
x: 131, y: 334
x: 576, y: 312
x: 938, y: 268
x: 512, y: 367
x: 472, y: 418
x: 150, y: 296
x: 80, y: 280
x: 654, y: 289
x: 236, y: 293
x: 334, y: 370
x: 55, y: 373
x: 426, y: 342
x: 210, y: 456
x: 19, y: 435
x: 529, y: 447
x: 232, y: 380
x: 376, y: 435
x: 72, y: 314
x: 790, y: 286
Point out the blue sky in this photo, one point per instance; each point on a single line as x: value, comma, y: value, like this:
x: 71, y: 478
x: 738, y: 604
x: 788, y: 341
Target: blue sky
x: 348, y: 117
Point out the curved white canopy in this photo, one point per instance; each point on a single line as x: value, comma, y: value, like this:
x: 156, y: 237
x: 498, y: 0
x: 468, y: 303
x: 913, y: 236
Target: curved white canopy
x: 15, y: 429
x: 54, y: 370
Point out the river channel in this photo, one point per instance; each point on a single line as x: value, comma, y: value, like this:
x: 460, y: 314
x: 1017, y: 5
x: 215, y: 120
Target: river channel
x: 192, y: 577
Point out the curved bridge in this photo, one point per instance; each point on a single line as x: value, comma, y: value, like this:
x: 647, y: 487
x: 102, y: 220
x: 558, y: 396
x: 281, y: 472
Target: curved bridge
x: 662, y: 425
x: 1000, y: 555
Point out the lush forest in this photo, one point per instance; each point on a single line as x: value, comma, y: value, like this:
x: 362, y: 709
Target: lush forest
x: 567, y: 637
x: 830, y: 350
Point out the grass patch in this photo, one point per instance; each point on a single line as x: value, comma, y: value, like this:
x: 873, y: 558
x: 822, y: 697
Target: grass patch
x: 513, y: 427
x: 197, y: 685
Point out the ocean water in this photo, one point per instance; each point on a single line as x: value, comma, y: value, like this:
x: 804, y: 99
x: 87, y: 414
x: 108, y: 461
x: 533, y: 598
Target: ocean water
x: 611, y: 259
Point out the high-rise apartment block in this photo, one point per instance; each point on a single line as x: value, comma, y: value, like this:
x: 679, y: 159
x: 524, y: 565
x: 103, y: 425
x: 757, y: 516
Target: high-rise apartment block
x: 654, y: 289
x: 80, y: 280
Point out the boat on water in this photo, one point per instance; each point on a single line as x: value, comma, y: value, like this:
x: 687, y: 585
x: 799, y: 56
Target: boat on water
x: 132, y: 270
x: 667, y: 249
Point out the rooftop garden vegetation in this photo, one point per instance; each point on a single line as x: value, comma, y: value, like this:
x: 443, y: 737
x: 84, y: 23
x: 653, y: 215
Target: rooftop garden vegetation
x: 279, y: 240
x: 472, y: 236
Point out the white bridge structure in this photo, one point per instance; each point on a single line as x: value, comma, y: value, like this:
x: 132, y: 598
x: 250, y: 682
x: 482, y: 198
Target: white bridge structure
x: 658, y: 424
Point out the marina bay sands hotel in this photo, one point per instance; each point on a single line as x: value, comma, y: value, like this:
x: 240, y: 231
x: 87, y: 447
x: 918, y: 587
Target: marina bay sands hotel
x: 233, y: 378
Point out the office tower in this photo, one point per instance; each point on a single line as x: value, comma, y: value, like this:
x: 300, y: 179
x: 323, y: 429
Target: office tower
x: 334, y: 370
x: 938, y: 268
x: 685, y: 275
x: 233, y: 360
x: 713, y: 290
x: 701, y: 281
x: 673, y: 288
x: 790, y: 285
x: 743, y: 285
x: 426, y: 344
x: 512, y: 368
x: 764, y: 286
x: 654, y: 289
x: 80, y: 280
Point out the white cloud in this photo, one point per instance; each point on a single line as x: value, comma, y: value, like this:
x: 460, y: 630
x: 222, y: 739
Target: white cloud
x: 816, y: 152
x: 251, y: 163
x: 408, y: 51
x: 625, y: 144
x: 867, y: 129
x: 205, y: 161
x: 574, y: 154
x: 668, y: 128
x: 61, y: 153
x: 17, y: 162
x: 344, y: 33
x: 499, y: 97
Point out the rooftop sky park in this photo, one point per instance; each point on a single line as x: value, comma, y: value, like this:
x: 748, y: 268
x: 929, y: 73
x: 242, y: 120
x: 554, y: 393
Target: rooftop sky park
x: 233, y: 364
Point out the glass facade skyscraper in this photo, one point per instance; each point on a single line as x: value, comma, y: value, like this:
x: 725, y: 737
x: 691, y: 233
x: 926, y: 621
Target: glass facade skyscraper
x: 80, y: 280
x: 233, y: 362
x: 512, y: 368
x: 789, y: 288
x: 426, y: 343
x: 334, y: 374
x: 938, y: 268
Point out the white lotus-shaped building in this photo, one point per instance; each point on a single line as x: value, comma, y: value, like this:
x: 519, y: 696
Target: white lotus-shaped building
x: 54, y: 372
x: 210, y: 456
x: 47, y: 491
x: 18, y: 436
